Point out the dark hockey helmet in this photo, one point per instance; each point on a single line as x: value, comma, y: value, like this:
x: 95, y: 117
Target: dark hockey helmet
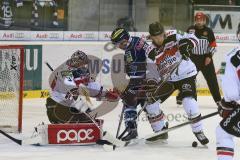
x: 119, y: 34
x: 78, y: 59
x: 155, y: 29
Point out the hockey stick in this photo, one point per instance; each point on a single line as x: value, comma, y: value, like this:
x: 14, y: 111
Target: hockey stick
x: 159, y: 86
x: 107, y: 138
x: 119, y: 125
x: 150, y: 137
x: 31, y: 140
x: 49, y: 66
x: 138, y: 114
x: 18, y: 141
x: 153, y: 136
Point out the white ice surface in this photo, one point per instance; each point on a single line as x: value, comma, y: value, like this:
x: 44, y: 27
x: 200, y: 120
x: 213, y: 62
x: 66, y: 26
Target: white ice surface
x: 177, y: 148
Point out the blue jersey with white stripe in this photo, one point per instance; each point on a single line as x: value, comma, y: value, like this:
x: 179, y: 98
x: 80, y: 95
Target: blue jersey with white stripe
x: 135, y: 57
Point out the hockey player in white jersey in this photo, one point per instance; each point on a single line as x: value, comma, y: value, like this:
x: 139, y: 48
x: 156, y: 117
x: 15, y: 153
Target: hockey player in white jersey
x: 71, y: 86
x: 140, y: 71
x: 229, y: 108
x: 173, y: 47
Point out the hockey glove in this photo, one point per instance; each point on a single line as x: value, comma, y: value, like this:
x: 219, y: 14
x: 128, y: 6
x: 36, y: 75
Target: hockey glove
x: 185, y: 48
x: 225, y: 108
x: 235, y: 60
x: 112, y: 96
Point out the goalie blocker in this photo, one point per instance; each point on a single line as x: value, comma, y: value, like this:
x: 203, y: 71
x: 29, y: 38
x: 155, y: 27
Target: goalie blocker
x: 68, y: 134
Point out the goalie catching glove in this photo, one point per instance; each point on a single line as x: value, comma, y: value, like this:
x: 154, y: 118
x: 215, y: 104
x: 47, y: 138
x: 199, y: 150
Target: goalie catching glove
x: 185, y: 47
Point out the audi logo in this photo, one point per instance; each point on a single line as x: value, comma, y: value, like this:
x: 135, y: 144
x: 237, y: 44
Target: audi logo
x: 89, y: 35
x: 74, y: 135
x: 19, y: 35
x: 54, y: 35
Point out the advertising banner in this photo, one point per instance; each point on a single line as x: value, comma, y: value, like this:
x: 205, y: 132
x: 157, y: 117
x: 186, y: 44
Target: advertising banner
x: 223, y: 20
x: 33, y: 67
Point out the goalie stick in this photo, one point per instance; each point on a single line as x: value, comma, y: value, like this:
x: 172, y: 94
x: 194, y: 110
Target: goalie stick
x: 31, y: 140
x: 106, y: 136
x: 18, y: 141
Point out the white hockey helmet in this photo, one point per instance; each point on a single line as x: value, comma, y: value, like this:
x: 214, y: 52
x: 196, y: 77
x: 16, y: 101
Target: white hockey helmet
x: 78, y: 59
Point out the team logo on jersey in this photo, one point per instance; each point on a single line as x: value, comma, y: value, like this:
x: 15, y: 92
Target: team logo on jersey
x: 128, y: 57
x: 238, y: 125
x: 205, y: 33
x: 66, y: 73
x: 186, y: 87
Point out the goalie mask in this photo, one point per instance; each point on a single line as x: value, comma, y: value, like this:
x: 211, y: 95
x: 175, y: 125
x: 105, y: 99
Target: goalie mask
x: 78, y: 59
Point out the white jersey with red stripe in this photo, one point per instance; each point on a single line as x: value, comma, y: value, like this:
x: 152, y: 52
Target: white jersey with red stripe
x: 168, y: 54
x: 231, y: 78
x: 63, y: 86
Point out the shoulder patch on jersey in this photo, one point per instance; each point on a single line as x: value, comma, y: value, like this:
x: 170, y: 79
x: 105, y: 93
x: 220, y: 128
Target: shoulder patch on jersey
x: 180, y: 32
x: 205, y: 33
x: 128, y: 57
x: 66, y: 73
x: 233, y: 51
x: 170, y: 32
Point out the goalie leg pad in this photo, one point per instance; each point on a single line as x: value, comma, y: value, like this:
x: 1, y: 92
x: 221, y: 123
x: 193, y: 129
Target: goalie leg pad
x: 231, y: 123
x: 58, y: 114
x: 70, y: 134
x: 155, y: 116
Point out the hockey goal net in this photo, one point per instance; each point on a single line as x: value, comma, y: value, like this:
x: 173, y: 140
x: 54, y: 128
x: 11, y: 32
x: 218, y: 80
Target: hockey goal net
x: 11, y: 88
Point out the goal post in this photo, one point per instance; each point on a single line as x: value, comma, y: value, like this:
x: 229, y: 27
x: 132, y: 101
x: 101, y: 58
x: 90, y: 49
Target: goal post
x: 11, y: 87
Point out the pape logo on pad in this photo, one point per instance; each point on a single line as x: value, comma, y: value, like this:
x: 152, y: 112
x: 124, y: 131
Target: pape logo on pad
x: 80, y: 134
x: 74, y: 135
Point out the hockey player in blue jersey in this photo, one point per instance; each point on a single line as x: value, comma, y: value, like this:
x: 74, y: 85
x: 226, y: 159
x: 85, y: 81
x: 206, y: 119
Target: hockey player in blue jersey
x: 137, y: 63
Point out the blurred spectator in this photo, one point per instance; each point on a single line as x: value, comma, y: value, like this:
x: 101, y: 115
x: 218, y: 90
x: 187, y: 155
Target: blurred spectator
x: 217, y: 2
x: 127, y: 23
